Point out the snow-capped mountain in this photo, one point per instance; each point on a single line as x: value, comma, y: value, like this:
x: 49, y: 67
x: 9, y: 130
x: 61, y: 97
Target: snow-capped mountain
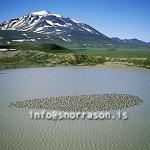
x: 43, y: 26
x: 46, y: 23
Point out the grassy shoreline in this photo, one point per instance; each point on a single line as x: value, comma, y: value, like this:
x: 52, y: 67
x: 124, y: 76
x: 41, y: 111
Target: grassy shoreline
x: 105, y: 65
x: 51, y: 55
x: 62, y: 60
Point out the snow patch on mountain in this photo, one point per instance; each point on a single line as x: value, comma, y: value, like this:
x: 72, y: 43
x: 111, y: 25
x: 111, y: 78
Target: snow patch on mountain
x: 24, y: 34
x: 75, y: 21
x: 58, y: 30
x: 50, y: 22
x: 41, y: 13
x: 24, y: 40
x: 65, y: 39
x: 38, y: 29
x: 56, y: 15
x: 87, y: 29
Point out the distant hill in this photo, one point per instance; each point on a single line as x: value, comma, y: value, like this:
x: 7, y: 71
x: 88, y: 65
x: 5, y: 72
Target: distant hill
x: 131, y: 41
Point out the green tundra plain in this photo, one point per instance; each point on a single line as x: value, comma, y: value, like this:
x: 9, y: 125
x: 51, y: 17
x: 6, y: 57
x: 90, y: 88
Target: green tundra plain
x: 49, y: 55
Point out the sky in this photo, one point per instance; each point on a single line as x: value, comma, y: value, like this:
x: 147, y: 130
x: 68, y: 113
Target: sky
x: 114, y: 18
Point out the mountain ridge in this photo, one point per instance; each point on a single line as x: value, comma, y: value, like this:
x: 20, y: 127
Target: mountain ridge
x: 58, y: 28
x: 131, y: 41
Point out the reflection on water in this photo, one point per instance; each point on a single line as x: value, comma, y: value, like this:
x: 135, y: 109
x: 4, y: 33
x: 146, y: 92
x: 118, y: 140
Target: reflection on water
x: 18, y: 131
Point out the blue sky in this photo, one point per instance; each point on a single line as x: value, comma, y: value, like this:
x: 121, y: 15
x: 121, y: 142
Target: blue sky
x: 114, y: 18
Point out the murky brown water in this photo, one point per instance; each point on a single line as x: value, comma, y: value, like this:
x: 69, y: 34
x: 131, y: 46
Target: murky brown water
x: 18, y: 131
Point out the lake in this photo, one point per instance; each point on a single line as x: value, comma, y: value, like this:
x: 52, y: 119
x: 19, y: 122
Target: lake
x: 18, y: 131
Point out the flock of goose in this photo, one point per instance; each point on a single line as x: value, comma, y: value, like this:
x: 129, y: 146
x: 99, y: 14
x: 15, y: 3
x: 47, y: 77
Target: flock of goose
x: 95, y: 102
